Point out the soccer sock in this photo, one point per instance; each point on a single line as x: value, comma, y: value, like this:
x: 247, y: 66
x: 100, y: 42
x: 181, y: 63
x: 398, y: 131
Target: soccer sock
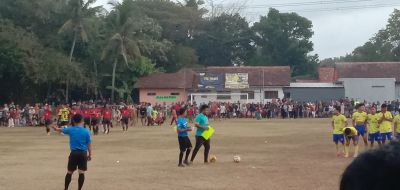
x: 180, y: 157
x: 81, y: 180
x: 187, y: 154
x: 67, y: 180
x: 47, y: 129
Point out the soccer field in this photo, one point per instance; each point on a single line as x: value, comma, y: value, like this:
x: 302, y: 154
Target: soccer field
x: 276, y: 154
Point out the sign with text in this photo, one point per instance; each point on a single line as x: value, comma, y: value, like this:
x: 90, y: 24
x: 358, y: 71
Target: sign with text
x: 236, y: 80
x: 166, y: 98
x: 211, y: 81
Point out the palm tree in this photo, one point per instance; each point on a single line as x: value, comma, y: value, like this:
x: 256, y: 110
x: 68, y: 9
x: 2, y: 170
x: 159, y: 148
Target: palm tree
x: 80, y: 14
x: 125, y: 42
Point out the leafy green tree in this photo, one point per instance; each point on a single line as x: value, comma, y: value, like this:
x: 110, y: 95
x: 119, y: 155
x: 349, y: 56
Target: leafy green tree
x: 132, y: 37
x: 283, y: 39
x: 81, y: 12
x: 383, y: 46
x: 225, y: 40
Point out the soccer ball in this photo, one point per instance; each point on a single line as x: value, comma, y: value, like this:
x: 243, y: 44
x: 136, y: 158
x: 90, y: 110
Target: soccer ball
x: 236, y: 159
x: 213, y: 158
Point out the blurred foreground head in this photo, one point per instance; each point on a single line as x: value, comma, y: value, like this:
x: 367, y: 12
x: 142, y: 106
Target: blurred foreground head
x: 374, y: 170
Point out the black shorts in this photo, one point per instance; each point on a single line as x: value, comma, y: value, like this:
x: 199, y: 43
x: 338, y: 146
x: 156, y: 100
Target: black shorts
x: 77, y: 159
x: 94, y: 121
x: 125, y: 120
x: 184, y: 143
x: 106, y: 121
x: 47, y: 122
x: 63, y: 123
x: 87, y: 121
x: 142, y: 116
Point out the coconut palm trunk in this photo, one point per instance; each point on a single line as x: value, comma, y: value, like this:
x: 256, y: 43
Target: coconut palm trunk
x: 71, y: 54
x: 113, y: 79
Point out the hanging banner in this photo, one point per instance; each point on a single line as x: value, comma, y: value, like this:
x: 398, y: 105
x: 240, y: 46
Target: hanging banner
x: 211, y: 81
x: 236, y: 80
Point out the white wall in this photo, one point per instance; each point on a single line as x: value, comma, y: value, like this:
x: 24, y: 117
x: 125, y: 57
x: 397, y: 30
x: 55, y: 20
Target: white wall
x: 258, y: 97
x: 370, y: 89
x: 397, y: 91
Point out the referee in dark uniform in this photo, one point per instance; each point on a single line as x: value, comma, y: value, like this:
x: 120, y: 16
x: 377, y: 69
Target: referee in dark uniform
x: 81, y: 149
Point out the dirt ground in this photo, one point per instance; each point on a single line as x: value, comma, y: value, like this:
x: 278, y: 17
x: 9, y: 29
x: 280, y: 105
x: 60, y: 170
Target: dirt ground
x: 276, y: 154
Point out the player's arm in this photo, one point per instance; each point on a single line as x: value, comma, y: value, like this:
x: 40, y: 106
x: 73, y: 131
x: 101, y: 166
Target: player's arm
x: 353, y: 121
x: 90, y: 151
x: 201, y: 127
x: 390, y: 119
x: 56, y: 128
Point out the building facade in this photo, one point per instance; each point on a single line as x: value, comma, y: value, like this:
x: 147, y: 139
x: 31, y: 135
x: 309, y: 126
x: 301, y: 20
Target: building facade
x: 370, y: 81
x: 216, y: 84
x: 316, y: 91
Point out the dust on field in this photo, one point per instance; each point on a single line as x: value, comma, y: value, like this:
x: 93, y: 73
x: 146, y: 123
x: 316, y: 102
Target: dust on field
x: 275, y: 154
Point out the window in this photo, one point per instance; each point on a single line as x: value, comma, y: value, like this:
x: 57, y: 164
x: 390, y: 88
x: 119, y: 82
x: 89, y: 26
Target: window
x: 175, y: 94
x: 224, y: 96
x: 270, y: 94
x: 151, y: 94
x: 250, y: 93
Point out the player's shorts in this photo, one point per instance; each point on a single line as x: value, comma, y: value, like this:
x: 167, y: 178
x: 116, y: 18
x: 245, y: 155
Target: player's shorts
x: 338, y: 138
x: 374, y: 137
x: 87, y: 121
x: 125, y: 120
x: 48, y: 122
x: 354, y: 138
x: 361, y: 129
x: 63, y: 123
x: 106, y: 121
x: 94, y: 121
x: 142, y: 115
x: 77, y: 159
x: 184, y: 143
x: 386, y: 136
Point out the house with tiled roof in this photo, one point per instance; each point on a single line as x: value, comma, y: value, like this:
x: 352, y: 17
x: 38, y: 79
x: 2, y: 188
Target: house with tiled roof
x: 371, y: 81
x: 227, y: 84
x: 322, y: 88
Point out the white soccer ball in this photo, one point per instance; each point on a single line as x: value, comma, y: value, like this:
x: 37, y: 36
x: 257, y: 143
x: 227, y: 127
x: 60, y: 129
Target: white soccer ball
x: 236, y: 159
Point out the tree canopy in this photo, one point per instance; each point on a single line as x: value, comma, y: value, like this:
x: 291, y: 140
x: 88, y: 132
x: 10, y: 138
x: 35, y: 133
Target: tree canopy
x: 59, y: 50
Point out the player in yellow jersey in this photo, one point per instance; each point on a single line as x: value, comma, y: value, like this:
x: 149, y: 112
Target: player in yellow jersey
x: 339, y: 122
x: 373, y: 128
x: 385, y: 124
x: 360, y: 122
x: 63, y: 116
x: 351, y: 134
x: 397, y: 126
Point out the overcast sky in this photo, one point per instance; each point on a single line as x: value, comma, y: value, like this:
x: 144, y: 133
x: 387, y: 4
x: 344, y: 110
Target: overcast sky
x: 337, y: 32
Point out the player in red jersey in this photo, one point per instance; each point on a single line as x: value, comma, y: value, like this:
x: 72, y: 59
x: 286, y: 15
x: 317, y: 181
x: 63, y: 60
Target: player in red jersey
x: 125, y: 113
x: 86, y: 117
x: 48, y: 116
x: 96, y: 118
x: 94, y: 121
x: 107, y: 117
x: 75, y: 110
